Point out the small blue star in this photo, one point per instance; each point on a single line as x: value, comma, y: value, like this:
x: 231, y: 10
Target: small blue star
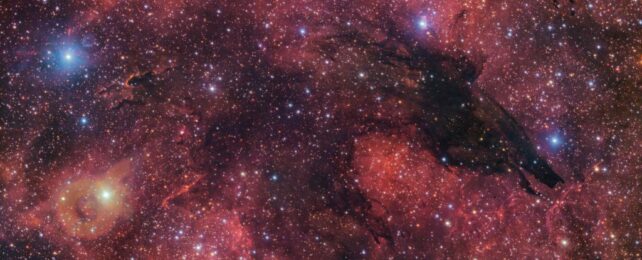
x: 212, y: 88
x: 591, y: 84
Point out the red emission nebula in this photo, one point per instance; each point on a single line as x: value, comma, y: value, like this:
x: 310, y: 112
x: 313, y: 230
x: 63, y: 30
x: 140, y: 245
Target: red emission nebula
x: 305, y: 129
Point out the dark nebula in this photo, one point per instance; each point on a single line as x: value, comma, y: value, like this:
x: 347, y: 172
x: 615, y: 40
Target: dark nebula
x: 320, y: 129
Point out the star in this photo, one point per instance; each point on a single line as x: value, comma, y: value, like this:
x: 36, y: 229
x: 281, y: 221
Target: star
x: 422, y: 23
x: 106, y: 195
x: 69, y: 56
x: 555, y: 141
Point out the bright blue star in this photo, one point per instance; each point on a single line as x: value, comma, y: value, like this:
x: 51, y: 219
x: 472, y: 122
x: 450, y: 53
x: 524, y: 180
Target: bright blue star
x: 68, y: 58
x: 555, y: 141
x: 84, y: 120
x: 422, y: 23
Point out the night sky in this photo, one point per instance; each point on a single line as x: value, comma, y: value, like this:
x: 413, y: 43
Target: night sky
x: 294, y: 129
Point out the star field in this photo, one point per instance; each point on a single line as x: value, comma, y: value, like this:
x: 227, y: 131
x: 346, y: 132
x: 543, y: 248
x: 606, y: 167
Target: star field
x: 286, y: 129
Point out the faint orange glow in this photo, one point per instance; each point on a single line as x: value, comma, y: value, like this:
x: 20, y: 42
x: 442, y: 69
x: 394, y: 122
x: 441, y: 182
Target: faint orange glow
x: 90, y: 206
x: 184, y: 189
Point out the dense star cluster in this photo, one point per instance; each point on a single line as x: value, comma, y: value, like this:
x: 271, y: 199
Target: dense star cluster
x: 291, y: 129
